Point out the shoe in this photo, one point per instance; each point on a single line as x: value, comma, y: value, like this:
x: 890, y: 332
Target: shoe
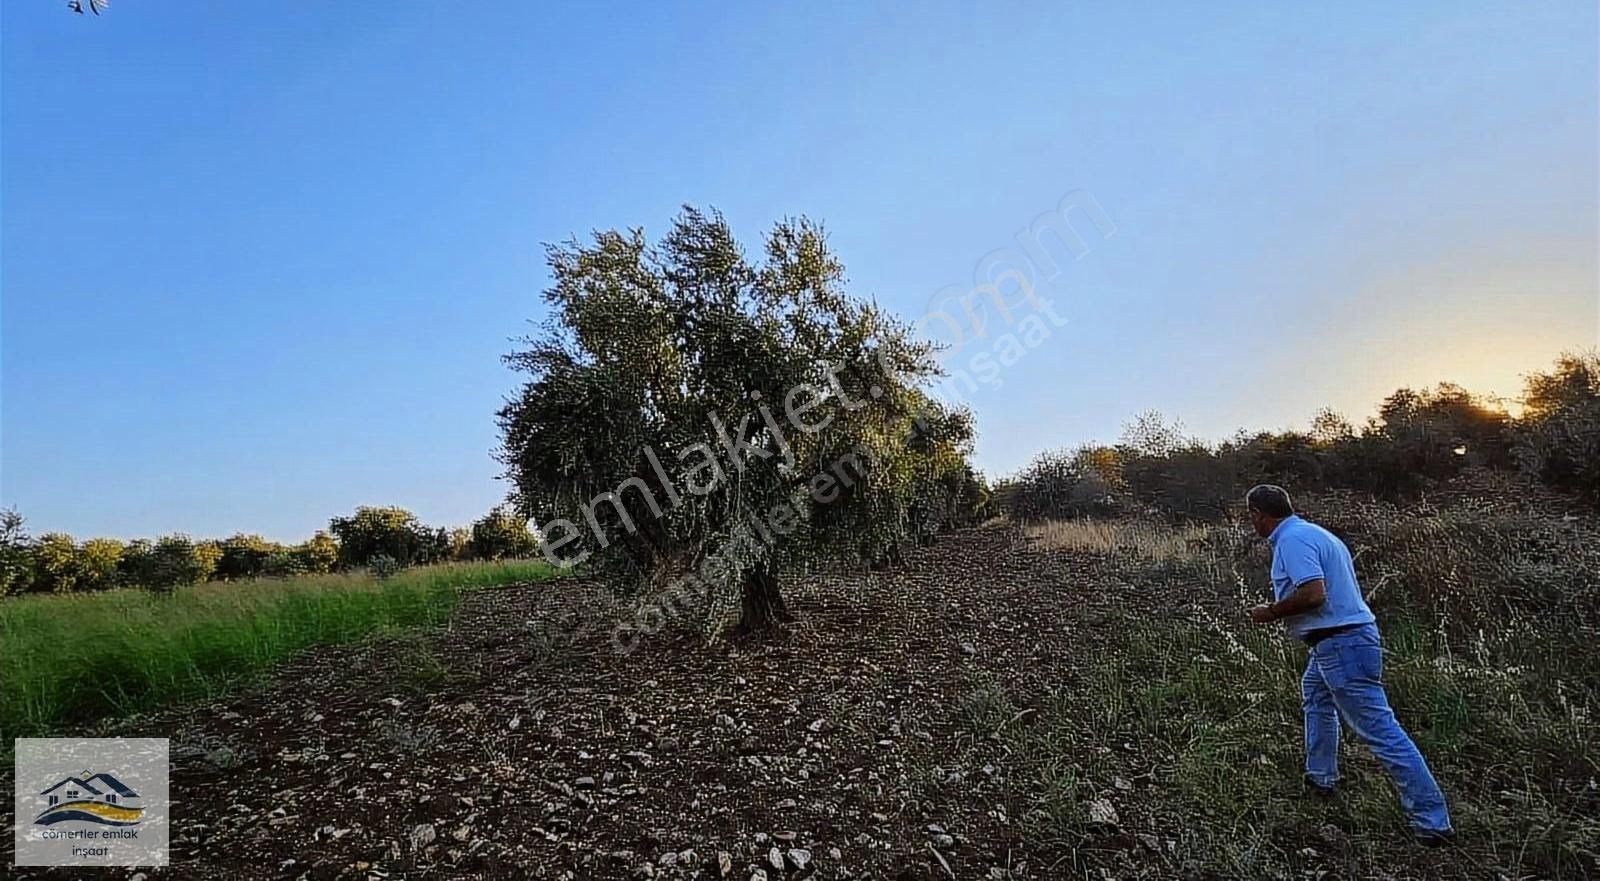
x: 1434, y: 837
x: 1317, y: 789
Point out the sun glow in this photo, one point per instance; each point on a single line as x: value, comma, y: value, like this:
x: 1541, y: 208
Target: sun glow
x: 1484, y: 330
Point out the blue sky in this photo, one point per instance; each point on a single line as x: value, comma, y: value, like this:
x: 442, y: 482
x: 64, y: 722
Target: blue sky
x: 261, y: 259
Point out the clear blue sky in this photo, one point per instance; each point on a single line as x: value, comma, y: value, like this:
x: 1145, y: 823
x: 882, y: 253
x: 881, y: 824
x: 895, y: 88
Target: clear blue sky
x: 261, y: 259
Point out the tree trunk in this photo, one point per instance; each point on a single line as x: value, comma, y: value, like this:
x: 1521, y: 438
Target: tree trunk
x: 763, y: 608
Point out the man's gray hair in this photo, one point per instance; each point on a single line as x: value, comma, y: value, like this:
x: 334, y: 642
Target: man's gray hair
x: 1270, y: 500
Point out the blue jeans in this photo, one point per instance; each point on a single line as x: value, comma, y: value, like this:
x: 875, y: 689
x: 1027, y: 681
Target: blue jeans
x: 1344, y: 679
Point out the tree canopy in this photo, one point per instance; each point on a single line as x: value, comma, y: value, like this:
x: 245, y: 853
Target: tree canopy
x: 689, y: 412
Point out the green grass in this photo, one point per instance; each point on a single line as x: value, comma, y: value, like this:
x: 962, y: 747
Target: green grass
x: 70, y: 659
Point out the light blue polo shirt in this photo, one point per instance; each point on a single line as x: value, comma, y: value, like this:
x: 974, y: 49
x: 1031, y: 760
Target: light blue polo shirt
x: 1303, y: 551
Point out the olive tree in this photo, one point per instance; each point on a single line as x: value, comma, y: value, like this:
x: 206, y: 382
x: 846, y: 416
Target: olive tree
x: 691, y: 411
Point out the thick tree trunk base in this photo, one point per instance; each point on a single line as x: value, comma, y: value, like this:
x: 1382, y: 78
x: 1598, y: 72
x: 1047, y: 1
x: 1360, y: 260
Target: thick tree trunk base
x: 762, y: 606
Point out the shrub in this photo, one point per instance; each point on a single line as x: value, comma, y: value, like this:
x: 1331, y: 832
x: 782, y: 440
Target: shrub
x: 283, y: 564
x: 384, y: 566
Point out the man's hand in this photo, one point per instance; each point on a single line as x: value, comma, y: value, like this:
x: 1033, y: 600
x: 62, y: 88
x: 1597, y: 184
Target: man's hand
x: 1262, y: 614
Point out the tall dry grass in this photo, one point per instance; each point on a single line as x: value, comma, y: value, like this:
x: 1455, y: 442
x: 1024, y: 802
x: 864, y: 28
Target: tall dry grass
x: 1490, y: 620
x: 1145, y: 539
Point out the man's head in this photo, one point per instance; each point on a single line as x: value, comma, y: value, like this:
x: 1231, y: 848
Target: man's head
x: 1268, y: 505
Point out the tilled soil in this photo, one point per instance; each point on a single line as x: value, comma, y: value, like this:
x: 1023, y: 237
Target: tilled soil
x: 500, y: 748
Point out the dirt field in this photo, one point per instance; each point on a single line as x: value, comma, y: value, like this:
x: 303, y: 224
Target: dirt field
x: 844, y: 747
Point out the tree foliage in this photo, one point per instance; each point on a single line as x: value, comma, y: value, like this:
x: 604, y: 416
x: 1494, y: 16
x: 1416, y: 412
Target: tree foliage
x: 391, y: 532
x: 1558, y: 437
x: 177, y: 560
x: 16, y: 553
x: 58, y: 563
x: 497, y: 535
x: 689, y: 409
x: 245, y: 556
x: 1418, y: 442
x: 98, y: 559
x: 55, y: 563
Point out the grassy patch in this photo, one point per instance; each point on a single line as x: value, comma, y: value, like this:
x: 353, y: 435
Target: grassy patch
x: 1213, y: 720
x: 78, y: 657
x: 1204, y: 711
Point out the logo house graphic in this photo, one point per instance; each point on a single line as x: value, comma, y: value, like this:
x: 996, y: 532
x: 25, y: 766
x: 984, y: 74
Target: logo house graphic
x: 100, y: 798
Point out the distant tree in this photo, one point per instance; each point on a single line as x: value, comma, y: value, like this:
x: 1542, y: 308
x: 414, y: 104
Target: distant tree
x: 1439, y: 428
x: 1195, y: 480
x: 206, y: 556
x: 1558, y: 437
x: 56, y: 563
x: 674, y: 350
x: 137, y: 566
x: 461, y: 543
x: 1165, y: 468
x: 434, y: 546
x: 176, y: 560
x: 1062, y: 484
x: 16, y: 553
x: 98, y: 559
x: 1150, y: 434
x: 244, y: 556
x: 1574, y: 381
x: 1420, y: 439
x: 319, y: 553
x: 1288, y: 458
x: 1328, y: 427
x: 500, y: 534
x: 394, y: 532
x: 940, y: 488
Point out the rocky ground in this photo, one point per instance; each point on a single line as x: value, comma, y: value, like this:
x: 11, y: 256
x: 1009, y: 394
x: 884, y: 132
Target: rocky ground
x: 836, y: 749
x: 840, y: 748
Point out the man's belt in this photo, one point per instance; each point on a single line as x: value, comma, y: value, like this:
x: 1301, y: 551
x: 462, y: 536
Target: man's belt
x: 1312, y: 637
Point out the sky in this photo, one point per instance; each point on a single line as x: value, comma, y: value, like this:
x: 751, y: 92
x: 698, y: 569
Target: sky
x: 261, y: 260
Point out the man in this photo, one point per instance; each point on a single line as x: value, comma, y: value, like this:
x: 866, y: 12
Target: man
x: 1319, y: 602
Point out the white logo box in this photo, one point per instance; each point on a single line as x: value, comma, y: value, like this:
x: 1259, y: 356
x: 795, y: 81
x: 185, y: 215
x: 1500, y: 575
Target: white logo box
x: 100, y: 801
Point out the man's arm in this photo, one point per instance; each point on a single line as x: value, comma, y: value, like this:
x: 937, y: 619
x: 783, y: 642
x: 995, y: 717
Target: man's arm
x: 1306, y: 597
